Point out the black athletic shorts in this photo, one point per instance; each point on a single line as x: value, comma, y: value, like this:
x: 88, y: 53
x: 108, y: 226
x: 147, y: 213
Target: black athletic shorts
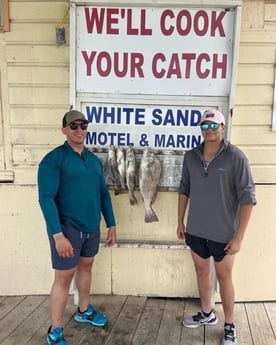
x: 206, y: 248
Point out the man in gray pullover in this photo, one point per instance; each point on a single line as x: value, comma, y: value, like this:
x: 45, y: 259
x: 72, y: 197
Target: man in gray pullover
x: 217, y: 184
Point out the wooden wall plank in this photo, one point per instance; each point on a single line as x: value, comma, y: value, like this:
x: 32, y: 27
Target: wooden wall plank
x: 256, y: 53
x: 37, y: 136
x: 27, y: 10
x: 264, y: 174
x: 252, y: 115
x: 30, y: 115
x: 254, y: 95
x: 261, y: 37
x: 37, y: 54
x: 25, y: 175
x: 33, y: 32
x: 251, y: 136
x: 30, y: 154
x: 256, y: 74
x: 261, y: 154
x: 38, y: 75
x: 37, y: 96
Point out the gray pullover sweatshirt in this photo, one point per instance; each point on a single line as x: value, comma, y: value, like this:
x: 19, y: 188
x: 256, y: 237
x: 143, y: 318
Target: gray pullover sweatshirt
x: 216, y: 191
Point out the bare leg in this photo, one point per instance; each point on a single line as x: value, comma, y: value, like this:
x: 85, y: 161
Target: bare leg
x: 204, y: 280
x: 227, y: 293
x: 83, y: 281
x: 59, y: 295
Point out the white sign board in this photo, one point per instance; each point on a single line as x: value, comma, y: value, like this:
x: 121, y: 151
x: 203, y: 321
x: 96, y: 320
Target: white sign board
x: 159, y: 127
x: 154, y: 51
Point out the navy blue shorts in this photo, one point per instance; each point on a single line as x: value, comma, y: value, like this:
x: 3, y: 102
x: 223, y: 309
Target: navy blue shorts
x: 206, y: 248
x: 84, y: 244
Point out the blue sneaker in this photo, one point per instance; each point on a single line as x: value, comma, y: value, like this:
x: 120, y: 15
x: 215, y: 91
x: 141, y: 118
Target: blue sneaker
x: 55, y: 337
x: 91, y: 315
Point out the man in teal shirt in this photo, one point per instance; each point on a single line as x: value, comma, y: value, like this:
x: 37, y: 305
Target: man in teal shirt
x: 73, y: 196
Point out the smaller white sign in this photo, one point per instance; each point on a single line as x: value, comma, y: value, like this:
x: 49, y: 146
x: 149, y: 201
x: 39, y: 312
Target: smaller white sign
x: 159, y: 127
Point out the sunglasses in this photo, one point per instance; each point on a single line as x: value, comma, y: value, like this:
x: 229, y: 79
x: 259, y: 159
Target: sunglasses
x: 213, y: 126
x: 75, y: 125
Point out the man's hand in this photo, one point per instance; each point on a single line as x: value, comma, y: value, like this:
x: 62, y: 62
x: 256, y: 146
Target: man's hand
x: 111, y: 236
x: 63, y: 246
x: 233, y: 246
x: 181, y: 232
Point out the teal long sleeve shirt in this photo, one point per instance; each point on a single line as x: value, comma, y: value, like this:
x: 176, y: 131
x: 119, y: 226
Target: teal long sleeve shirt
x: 72, y: 190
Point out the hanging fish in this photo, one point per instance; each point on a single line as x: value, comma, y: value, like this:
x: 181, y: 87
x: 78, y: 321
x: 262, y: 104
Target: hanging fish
x: 121, y: 163
x: 130, y: 174
x: 113, y: 172
x: 149, y: 176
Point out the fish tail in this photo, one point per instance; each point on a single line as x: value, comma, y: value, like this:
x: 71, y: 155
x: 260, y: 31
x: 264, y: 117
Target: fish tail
x: 150, y: 217
x: 117, y: 190
x: 122, y: 181
x: 133, y: 200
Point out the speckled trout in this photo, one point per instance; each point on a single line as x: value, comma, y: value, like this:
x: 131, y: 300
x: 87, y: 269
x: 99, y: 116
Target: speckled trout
x: 113, y: 171
x: 121, y: 163
x: 131, y: 174
x: 149, y: 176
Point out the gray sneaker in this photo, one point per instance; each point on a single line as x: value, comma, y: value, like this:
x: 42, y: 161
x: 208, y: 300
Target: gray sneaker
x: 200, y: 319
x: 230, y: 336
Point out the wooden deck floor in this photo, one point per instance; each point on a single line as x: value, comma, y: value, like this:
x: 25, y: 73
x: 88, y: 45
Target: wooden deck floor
x: 133, y: 321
